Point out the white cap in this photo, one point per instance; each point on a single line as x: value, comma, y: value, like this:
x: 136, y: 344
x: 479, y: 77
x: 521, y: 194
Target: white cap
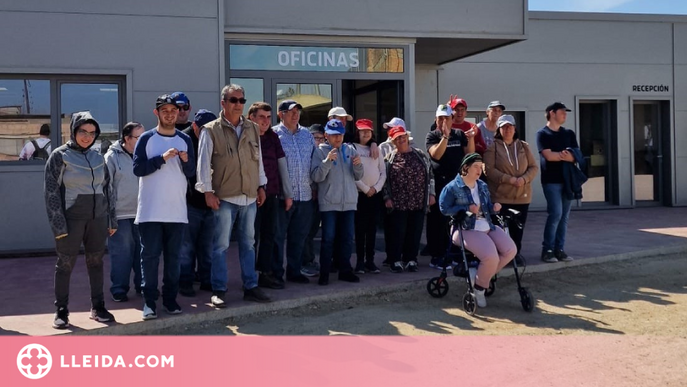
x: 395, y: 122
x: 338, y: 111
x: 444, y: 111
x: 505, y: 119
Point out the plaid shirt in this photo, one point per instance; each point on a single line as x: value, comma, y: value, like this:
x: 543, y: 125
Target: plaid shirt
x: 298, y: 149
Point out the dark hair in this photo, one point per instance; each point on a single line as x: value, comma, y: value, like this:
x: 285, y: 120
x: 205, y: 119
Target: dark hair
x: 356, y: 137
x: 128, y: 128
x: 45, y: 130
x: 500, y: 137
x: 259, y: 106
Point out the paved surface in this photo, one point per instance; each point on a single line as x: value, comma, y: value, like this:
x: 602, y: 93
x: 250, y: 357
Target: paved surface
x: 26, y: 292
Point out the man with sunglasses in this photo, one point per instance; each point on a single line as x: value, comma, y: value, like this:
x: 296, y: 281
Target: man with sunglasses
x: 184, y: 105
x: 232, y: 177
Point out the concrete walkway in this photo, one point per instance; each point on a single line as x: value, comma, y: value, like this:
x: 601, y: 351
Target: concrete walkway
x: 26, y: 284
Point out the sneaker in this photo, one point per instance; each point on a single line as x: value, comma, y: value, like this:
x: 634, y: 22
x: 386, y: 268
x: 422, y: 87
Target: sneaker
x: 299, y: 279
x: 187, y: 291
x: 172, y: 307
x: 256, y: 295
x: 348, y: 277
x: 412, y: 267
x: 397, y: 267
x: 100, y: 314
x: 480, y: 298
x: 370, y: 267
x: 309, y: 271
x: 270, y: 282
x: 548, y: 257
x: 438, y: 263
x: 217, y: 300
x: 61, y: 318
x: 472, y: 272
x: 149, y: 311
x: 359, y: 269
x: 386, y: 263
x: 120, y: 297
x: 562, y: 256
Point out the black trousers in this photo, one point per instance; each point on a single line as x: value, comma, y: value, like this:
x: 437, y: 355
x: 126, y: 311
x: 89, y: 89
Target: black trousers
x: 437, y: 224
x: 366, y: 226
x: 515, y: 232
x: 265, y: 234
x: 403, y: 235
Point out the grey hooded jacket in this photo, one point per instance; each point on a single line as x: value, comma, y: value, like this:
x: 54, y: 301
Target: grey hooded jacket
x: 336, y: 189
x: 77, y: 183
x: 120, y: 166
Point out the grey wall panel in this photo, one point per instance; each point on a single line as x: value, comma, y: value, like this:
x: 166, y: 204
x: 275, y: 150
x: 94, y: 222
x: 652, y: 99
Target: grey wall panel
x: 439, y: 18
x: 680, y: 30
x: 196, y: 8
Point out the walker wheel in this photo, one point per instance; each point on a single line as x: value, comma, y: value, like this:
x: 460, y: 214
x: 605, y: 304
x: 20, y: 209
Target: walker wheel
x: 492, y: 287
x: 469, y: 303
x: 526, y: 300
x: 437, y: 287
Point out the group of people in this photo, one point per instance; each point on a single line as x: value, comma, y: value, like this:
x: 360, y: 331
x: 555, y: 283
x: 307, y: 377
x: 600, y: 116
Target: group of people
x: 178, y: 190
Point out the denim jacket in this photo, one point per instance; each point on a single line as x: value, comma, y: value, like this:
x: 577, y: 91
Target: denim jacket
x: 456, y: 196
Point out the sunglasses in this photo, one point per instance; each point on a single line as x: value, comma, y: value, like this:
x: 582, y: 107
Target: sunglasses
x: 184, y: 107
x: 84, y: 132
x: 242, y: 101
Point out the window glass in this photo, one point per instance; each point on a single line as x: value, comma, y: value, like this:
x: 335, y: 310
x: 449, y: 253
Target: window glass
x: 102, y: 100
x: 24, y: 109
x: 254, y: 88
x: 316, y: 99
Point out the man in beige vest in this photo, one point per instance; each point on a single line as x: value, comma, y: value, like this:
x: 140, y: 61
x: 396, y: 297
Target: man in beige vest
x: 231, y: 174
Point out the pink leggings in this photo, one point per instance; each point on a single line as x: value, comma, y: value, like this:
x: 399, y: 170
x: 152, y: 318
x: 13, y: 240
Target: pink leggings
x: 494, y: 249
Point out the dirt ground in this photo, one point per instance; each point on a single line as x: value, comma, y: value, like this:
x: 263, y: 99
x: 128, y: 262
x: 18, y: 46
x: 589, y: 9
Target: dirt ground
x: 641, y: 297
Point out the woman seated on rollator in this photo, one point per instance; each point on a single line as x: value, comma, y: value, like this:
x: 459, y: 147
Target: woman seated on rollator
x: 490, y: 244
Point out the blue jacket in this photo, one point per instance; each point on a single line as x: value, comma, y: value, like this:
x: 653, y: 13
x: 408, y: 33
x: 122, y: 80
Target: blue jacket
x: 456, y: 196
x: 573, y: 177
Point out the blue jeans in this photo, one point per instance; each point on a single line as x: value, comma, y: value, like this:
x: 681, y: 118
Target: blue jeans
x: 125, y: 255
x: 341, y: 224
x: 225, y: 217
x: 160, y: 238
x: 197, y: 246
x: 558, y: 209
x: 293, y: 227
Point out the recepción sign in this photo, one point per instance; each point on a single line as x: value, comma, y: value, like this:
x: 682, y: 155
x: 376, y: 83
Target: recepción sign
x: 332, y: 59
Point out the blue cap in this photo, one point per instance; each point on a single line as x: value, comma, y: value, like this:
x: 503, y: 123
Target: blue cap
x: 289, y: 104
x: 334, y: 126
x: 180, y: 98
x: 204, y: 116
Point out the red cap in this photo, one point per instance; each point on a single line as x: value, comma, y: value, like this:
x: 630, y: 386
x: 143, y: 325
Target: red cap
x: 397, y: 131
x: 455, y: 101
x: 364, y: 124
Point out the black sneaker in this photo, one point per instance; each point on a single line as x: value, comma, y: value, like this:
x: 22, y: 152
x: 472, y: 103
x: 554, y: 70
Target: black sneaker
x: 438, y: 263
x: 370, y: 267
x: 397, y: 267
x: 256, y: 294
x: 61, y: 318
x: 120, y: 297
x: 268, y: 281
x: 548, y: 256
x: 348, y: 277
x: 187, y: 291
x: 299, y: 279
x: 100, y: 314
x: 412, y: 267
x: 359, y: 268
x: 171, y: 307
x: 217, y: 299
x: 562, y: 256
x: 387, y: 263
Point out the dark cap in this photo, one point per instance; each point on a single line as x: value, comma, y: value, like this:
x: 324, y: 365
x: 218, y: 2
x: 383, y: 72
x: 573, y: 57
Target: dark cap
x: 556, y: 106
x: 289, y: 104
x: 203, y: 116
x: 164, y: 99
x: 316, y: 128
x: 470, y: 159
x: 180, y: 98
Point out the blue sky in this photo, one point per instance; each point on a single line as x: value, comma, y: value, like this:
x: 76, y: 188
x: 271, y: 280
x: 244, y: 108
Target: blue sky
x: 671, y: 7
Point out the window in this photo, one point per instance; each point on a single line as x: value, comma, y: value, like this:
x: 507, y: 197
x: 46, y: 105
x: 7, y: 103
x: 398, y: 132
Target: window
x: 101, y: 99
x: 254, y: 88
x: 24, y: 109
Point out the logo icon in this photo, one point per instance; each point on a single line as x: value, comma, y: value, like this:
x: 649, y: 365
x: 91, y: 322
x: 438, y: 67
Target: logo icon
x: 34, y: 361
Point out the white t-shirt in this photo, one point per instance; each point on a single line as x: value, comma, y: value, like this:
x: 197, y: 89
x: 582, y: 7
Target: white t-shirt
x: 28, y: 149
x: 481, y: 224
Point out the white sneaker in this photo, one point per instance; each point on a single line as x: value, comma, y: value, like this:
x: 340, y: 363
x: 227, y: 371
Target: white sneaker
x: 473, y: 275
x: 148, y: 312
x: 480, y: 298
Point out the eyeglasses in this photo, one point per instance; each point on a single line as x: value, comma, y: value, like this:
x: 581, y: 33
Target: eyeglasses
x: 242, y: 101
x: 184, y: 107
x: 84, y: 132
x: 318, y: 138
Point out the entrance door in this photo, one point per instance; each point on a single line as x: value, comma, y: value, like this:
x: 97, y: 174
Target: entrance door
x: 379, y: 101
x: 648, y: 151
x: 315, y: 97
x: 597, y: 131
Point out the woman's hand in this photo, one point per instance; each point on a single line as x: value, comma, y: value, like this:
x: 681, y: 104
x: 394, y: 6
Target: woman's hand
x: 389, y: 204
x: 432, y: 200
x: 474, y: 208
x: 497, y: 207
x: 513, y: 181
x: 112, y: 231
x: 519, y: 182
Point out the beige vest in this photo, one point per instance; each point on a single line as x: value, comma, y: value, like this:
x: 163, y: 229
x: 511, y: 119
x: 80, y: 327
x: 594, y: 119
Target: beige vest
x: 235, y: 162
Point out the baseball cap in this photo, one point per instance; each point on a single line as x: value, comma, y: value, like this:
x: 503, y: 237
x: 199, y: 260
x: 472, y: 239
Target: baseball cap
x: 397, y: 131
x: 557, y: 106
x: 316, y: 128
x: 455, y: 101
x: 180, y: 98
x: 289, y: 104
x: 338, y: 111
x: 164, y: 99
x: 395, y: 122
x: 334, y: 126
x: 496, y: 104
x: 363, y: 124
x: 204, y: 116
x: 505, y: 119
x: 444, y: 111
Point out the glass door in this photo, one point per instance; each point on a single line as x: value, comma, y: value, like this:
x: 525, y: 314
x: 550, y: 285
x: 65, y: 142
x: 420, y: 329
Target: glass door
x: 648, y: 151
x: 597, y: 126
x: 315, y: 97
